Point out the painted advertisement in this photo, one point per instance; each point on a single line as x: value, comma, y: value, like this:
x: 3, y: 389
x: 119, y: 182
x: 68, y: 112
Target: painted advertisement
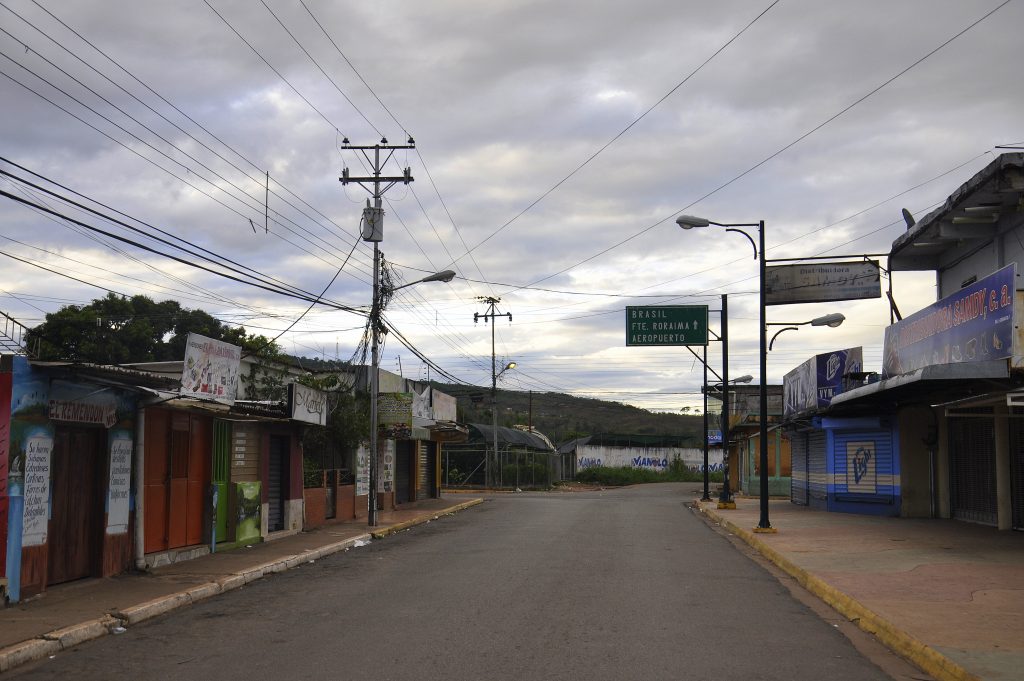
x: 36, y: 488
x: 861, y: 474
x: 975, y: 324
x: 249, y: 501
x: 386, y: 467
x: 211, y: 369
x: 120, y: 482
x: 657, y: 459
x: 362, y: 471
x: 821, y: 282
x: 394, y: 414
x: 814, y: 384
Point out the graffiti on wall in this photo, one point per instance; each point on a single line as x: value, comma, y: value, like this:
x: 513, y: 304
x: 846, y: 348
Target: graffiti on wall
x: 861, y: 475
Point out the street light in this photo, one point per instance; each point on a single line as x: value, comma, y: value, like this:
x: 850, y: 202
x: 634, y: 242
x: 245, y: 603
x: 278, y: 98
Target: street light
x: 381, y: 294
x: 690, y: 222
x: 831, y: 320
x: 494, y: 412
x: 725, y: 497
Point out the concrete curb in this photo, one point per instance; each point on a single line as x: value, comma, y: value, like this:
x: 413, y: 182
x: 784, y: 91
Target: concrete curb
x: 380, y: 534
x: 897, y: 640
x: 65, y: 638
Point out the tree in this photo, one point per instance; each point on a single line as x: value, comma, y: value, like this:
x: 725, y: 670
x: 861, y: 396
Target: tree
x: 118, y: 330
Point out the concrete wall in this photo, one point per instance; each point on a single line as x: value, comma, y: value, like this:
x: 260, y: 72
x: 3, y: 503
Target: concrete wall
x: 652, y: 458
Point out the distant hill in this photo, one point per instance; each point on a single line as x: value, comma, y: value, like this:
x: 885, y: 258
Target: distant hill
x: 564, y: 417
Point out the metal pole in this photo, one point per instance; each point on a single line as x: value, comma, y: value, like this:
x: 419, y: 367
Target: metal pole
x: 725, y: 500
x: 764, y: 524
x: 494, y: 397
x: 371, y: 513
x: 706, y: 496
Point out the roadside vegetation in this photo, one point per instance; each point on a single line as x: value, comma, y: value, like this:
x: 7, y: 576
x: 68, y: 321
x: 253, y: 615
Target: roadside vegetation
x: 613, y: 477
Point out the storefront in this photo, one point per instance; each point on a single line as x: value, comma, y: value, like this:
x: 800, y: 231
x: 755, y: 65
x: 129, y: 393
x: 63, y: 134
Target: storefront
x: 68, y: 473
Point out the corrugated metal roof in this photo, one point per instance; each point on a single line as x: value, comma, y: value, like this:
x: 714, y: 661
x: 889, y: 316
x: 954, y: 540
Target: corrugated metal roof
x: 508, y: 436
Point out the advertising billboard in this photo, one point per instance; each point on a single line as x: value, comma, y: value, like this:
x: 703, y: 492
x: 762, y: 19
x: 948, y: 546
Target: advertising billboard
x: 813, y: 384
x: 211, y: 369
x: 975, y: 324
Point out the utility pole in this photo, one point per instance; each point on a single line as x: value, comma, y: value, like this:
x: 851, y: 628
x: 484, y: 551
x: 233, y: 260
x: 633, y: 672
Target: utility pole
x: 491, y: 314
x: 373, y: 230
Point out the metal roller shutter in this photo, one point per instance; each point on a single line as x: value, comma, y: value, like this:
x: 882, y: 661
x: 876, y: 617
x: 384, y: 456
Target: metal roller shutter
x: 276, y: 482
x: 425, y: 483
x: 403, y: 465
x: 1017, y: 467
x: 798, y: 478
x: 972, y: 464
x: 817, y: 469
x: 864, y: 466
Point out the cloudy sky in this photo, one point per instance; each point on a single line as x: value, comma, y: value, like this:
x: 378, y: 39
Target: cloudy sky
x: 555, y: 143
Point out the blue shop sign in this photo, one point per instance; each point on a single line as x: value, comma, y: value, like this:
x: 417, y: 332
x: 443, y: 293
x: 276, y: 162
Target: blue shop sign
x: 975, y: 324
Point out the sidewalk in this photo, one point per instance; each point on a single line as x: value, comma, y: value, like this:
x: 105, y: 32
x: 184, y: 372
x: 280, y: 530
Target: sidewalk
x: 947, y: 595
x: 69, y: 614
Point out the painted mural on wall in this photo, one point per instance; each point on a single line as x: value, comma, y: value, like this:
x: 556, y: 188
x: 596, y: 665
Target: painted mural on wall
x: 656, y: 459
x: 974, y: 324
x: 249, y: 504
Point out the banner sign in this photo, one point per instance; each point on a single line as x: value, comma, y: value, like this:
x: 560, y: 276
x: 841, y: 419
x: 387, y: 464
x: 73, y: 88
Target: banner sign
x: 667, y: 325
x: 975, y: 324
x: 813, y: 384
x: 444, y: 406
x: 714, y: 437
x: 306, y: 404
x: 394, y: 415
x: 821, y: 282
x: 211, y: 369
x: 119, y: 483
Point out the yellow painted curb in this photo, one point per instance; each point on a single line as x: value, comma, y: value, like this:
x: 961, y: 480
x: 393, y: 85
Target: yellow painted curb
x: 897, y: 640
x: 380, y: 534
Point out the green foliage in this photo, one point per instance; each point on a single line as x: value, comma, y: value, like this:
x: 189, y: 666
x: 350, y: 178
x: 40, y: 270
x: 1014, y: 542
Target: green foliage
x: 333, y: 446
x: 117, y: 330
x: 525, y: 475
x: 566, y: 417
x: 614, y: 477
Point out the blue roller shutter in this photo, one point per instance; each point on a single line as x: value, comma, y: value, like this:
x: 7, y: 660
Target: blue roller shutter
x: 865, y: 469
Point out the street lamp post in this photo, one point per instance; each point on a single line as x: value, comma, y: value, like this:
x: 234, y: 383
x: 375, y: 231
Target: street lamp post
x: 689, y: 222
x: 376, y: 309
x: 831, y: 320
x: 494, y: 411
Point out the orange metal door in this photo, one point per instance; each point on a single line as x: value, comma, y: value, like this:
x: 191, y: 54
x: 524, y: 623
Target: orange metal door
x: 200, y: 454
x: 177, y: 534
x: 156, y: 471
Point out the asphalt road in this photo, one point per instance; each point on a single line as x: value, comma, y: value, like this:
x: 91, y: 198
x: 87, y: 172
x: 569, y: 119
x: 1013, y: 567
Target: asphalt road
x: 616, y: 584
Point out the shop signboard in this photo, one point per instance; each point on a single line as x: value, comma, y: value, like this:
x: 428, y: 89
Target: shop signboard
x: 661, y: 325
x: 306, y: 404
x: 975, y: 324
x: 394, y: 415
x: 211, y: 369
x: 120, y: 482
x: 821, y: 282
x: 444, y: 406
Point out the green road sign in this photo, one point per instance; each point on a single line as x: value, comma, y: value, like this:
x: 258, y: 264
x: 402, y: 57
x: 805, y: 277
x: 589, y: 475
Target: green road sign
x: 667, y: 325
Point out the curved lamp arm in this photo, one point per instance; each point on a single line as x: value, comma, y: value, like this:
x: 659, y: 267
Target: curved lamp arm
x: 749, y: 238
x: 772, y: 341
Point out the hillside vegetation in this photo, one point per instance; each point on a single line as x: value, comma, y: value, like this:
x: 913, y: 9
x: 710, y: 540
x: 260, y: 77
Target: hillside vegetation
x: 564, y: 417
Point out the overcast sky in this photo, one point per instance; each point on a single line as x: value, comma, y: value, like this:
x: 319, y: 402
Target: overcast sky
x: 556, y: 142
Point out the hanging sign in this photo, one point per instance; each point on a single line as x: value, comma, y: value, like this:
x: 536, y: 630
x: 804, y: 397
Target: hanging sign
x: 821, y: 282
x: 306, y: 404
